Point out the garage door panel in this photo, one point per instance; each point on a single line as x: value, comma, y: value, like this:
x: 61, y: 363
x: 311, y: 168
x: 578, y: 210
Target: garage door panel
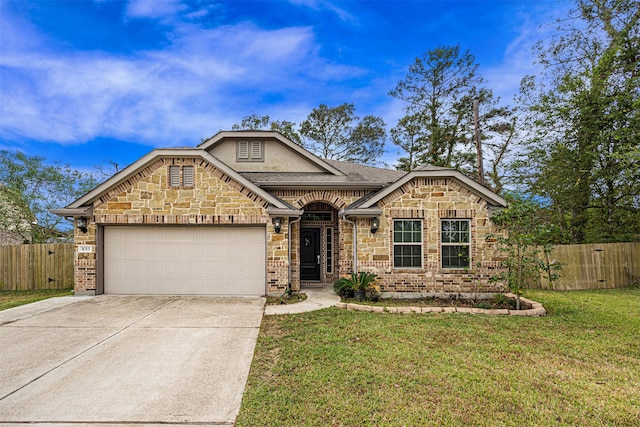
x: 184, y: 260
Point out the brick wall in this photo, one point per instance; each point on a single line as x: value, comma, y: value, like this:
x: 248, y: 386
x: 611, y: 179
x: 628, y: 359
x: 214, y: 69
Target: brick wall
x: 216, y: 198
x: 431, y: 200
x: 335, y: 199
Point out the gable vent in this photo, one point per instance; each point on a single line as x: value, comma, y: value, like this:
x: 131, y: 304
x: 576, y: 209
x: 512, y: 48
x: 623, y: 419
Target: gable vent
x: 256, y: 150
x: 174, y: 176
x: 243, y: 150
x: 250, y: 151
x: 187, y: 176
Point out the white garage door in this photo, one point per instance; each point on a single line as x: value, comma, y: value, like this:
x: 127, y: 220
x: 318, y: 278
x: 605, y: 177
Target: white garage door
x: 184, y: 260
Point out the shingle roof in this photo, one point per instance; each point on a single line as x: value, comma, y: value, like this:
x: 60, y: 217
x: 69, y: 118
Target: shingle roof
x: 370, y: 173
x: 353, y: 175
x: 431, y: 168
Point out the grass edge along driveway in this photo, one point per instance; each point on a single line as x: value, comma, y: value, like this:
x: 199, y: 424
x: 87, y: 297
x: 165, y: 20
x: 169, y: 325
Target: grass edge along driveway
x: 10, y: 299
x: 578, y: 366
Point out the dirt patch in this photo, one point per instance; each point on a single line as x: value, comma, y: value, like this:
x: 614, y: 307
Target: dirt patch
x: 286, y: 299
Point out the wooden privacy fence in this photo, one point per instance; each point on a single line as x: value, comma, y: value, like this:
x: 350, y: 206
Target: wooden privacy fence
x: 38, y: 266
x: 596, y: 266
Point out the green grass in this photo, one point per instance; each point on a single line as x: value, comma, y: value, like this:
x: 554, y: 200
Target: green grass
x: 10, y: 299
x: 578, y: 366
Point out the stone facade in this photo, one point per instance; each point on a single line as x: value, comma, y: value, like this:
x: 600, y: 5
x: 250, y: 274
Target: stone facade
x: 427, y: 199
x: 333, y: 201
x: 431, y: 200
x: 218, y: 199
x: 145, y: 198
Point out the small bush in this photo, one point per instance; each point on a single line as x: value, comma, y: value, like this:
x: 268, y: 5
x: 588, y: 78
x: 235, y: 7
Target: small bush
x: 362, y: 281
x: 343, y: 287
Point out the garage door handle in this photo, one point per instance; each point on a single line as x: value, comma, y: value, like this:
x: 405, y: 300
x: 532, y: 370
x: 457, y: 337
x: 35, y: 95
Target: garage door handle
x: 318, y: 259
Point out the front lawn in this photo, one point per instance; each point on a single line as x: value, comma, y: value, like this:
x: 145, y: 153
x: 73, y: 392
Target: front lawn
x: 578, y: 366
x: 9, y: 299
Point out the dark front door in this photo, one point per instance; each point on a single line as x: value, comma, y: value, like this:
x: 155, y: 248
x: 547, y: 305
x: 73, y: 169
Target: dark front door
x: 310, y: 254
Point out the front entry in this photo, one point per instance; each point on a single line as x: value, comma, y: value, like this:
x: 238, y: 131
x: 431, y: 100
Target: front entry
x: 310, y: 254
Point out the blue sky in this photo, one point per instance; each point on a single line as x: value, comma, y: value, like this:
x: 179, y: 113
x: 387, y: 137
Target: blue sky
x: 85, y: 82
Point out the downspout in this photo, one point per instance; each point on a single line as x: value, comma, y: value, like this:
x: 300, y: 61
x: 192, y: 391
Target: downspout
x: 355, y: 244
x: 289, y: 254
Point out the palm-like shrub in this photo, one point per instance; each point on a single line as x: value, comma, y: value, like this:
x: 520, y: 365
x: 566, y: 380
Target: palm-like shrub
x: 355, y: 282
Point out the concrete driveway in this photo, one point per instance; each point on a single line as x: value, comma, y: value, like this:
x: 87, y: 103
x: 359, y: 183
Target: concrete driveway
x: 129, y: 360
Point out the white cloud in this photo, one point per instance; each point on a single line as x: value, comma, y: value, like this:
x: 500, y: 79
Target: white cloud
x: 206, y: 80
x: 318, y: 5
x: 152, y: 8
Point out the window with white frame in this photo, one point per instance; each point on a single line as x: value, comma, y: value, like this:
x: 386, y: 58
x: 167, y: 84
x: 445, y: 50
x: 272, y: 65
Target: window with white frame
x: 407, y: 243
x: 329, y: 250
x: 455, y: 235
x: 181, y: 176
x: 250, y: 151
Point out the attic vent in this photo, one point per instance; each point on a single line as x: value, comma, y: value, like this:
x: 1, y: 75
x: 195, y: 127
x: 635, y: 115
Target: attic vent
x: 250, y: 151
x: 256, y: 150
x: 187, y: 176
x: 243, y: 150
x: 174, y: 176
x: 181, y: 177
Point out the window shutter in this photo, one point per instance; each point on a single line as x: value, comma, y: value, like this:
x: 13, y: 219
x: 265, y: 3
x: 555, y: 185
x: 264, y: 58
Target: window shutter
x: 243, y: 150
x: 187, y: 176
x: 174, y: 176
x: 256, y: 150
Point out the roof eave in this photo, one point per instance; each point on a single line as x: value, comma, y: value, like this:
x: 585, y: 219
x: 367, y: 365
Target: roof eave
x: 85, y: 211
x: 290, y: 185
x: 360, y: 212
x: 273, y: 211
x: 135, y: 167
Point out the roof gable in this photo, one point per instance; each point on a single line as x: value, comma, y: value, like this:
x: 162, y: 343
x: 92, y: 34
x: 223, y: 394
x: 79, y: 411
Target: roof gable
x: 79, y: 206
x: 299, y: 155
x: 371, y: 201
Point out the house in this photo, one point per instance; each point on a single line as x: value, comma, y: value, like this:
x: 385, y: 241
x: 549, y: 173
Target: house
x: 251, y: 213
x: 16, y: 219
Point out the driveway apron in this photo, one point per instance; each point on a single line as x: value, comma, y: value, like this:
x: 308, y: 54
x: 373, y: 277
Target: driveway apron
x: 129, y: 360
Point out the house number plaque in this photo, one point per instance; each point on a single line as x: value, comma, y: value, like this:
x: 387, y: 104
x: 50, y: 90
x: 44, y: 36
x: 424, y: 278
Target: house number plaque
x: 85, y: 249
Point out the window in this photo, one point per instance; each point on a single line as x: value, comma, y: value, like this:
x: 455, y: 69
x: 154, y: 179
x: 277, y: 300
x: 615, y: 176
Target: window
x: 250, y: 151
x: 317, y: 216
x: 181, y: 176
x: 456, y: 243
x: 407, y: 243
x: 329, y: 250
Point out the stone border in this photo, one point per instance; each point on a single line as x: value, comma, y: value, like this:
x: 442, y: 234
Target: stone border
x: 536, y: 309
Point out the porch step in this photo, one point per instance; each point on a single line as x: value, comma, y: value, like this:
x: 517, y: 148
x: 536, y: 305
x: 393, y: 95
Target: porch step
x: 315, y: 285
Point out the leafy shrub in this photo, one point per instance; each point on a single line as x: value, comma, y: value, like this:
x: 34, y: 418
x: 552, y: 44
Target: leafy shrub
x: 362, y: 281
x: 343, y: 287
